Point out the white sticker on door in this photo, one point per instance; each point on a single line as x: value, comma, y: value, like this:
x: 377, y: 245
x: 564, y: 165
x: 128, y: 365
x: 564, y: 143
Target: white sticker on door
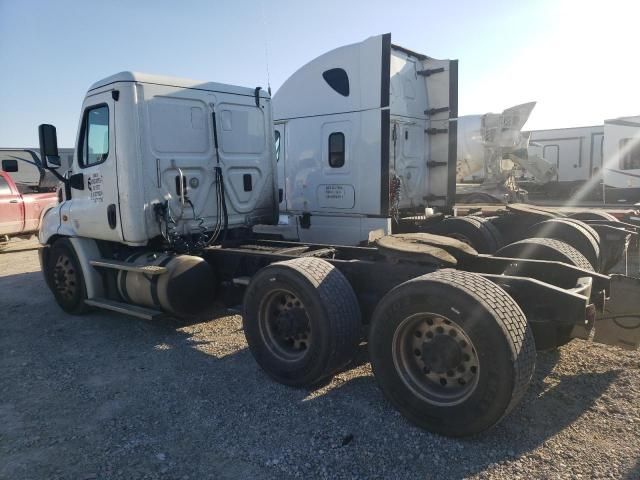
x: 94, y: 183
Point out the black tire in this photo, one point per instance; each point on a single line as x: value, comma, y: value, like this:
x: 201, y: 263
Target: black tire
x: 65, y: 278
x: 314, y: 333
x: 487, y: 222
x: 588, y: 228
x: 467, y: 229
x: 545, y: 249
x: 485, y: 315
x: 571, y: 232
x: 594, y: 216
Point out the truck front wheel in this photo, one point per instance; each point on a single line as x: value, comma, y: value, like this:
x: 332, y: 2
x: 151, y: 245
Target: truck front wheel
x: 64, y: 277
x: 451, y: 351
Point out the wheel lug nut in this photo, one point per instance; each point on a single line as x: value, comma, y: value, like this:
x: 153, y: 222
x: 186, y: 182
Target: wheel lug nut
x: 418, y: 333
x: 417, y: 352
x: 453, y: 333
x: 474, y: 369
x: 463, y: 344
x: 429, y: 321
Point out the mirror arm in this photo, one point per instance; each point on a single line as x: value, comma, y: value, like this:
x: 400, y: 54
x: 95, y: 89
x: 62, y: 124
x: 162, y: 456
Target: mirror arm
x: 56, y: 174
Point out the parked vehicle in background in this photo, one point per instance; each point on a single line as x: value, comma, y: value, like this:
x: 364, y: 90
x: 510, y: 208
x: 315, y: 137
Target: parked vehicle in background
x: 493, y: 157
x: 577, y: 154
x: 20, y: 213
x: 29, y: 175
x: 621, y: 172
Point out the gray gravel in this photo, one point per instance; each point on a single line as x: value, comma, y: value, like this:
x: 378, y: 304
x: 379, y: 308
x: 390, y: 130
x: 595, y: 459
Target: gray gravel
x: 107, y: 396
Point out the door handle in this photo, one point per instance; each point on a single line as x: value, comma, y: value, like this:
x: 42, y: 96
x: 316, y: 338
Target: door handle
x: 13, y: 201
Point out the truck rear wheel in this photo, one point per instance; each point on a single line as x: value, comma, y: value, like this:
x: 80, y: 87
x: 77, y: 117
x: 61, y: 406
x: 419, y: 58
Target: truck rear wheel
x: 545, y: 249
x: 301, y: 320
x: 64, y: 277
x: 572, y: 232
x: 451, y: 351
x: 607, y: 217
x: 469, y: 230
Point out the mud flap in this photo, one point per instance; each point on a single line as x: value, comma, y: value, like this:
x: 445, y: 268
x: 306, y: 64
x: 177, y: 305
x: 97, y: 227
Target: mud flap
x: 619, y: 323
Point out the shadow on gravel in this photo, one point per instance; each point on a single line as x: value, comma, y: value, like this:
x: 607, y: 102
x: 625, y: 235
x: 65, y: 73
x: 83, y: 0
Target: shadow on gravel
x: 550, y: 405
x: 634, y: 473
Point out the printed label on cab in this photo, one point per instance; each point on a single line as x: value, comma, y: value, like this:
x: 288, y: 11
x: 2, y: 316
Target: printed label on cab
x: 94, y: 184
x: 336, y: 196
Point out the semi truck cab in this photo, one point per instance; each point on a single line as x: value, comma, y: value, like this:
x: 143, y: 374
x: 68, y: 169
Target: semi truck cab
x: 152, y: 151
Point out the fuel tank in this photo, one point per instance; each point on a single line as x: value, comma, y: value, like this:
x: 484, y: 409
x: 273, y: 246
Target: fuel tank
x: 187, y: 287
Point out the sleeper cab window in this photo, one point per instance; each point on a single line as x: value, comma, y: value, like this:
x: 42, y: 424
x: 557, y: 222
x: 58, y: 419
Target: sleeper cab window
x: 336, y: 150
x: 337, y: 79
x: 94, y: 146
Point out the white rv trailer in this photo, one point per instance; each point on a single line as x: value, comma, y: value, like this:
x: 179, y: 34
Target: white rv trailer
x: 28, y: 172
x: 621, y: 171
x: 364, y: 132
x: 576, y: 152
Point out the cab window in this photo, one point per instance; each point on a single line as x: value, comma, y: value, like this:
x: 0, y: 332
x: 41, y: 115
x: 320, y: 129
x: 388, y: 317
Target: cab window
x: 94, y: 146
x: 336, y: 150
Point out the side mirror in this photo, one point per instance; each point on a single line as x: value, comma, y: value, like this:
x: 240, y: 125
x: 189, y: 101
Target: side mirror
x: 9, y: 166
x: 48, y: 146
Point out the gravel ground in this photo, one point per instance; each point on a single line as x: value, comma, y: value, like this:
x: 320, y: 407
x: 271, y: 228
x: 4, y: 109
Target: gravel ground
x: 106, y: 396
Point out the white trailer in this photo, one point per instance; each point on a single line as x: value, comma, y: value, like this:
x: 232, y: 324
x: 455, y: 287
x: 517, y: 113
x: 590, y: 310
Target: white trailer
x: 577, y: 154
x: 26, y: 168
x: 170, y: 176
x: 621, y: 172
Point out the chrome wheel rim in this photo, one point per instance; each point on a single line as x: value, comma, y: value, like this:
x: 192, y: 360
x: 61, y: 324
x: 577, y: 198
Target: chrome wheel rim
x: 284, y: 325
x: 435, y: 359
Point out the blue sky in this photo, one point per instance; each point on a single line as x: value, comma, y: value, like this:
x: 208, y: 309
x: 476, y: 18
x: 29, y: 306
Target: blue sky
x: 575, y: 58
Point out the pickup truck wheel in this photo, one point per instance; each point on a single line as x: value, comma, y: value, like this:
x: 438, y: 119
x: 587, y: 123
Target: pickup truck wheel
x: 451, y: 351
x: 65, y: 278
x: 301, y: 320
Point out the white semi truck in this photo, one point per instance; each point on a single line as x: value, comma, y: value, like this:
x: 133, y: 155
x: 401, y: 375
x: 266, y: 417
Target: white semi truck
x: 174, y: 184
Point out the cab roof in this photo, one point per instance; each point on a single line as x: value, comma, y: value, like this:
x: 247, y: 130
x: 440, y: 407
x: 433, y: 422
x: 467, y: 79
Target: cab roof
x: 137, y: 77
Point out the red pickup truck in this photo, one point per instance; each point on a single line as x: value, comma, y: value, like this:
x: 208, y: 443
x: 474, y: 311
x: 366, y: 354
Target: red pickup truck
x: 20, y: 213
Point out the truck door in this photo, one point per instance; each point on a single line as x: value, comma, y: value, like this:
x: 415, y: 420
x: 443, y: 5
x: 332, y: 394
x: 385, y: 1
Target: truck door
x: 94, y: 208
x: 280, y: 146
x: 11, y: 209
